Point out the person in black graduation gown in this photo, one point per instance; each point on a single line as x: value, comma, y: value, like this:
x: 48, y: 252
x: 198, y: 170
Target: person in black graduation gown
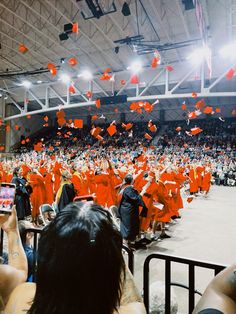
x: 129, y: 211
x: 22, y: 196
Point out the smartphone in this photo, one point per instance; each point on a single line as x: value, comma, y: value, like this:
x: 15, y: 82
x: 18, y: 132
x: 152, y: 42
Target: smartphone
x: 7, y: 197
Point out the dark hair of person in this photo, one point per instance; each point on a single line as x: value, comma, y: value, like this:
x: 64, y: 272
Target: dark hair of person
x: 128, y: 179
x: 16, y: 171
x: 80, y: 266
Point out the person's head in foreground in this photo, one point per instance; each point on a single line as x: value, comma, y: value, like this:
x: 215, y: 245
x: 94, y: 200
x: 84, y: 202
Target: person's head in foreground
x: 80, y: 263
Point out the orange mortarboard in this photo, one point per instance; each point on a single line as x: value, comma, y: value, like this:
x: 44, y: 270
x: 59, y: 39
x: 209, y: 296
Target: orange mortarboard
x: 51, y: 67
x: 192, y: 115
x: 38, y: 147
x: 147, y: 136
x: 178, y: 129
x: 196, y: 130
x: 72, y: 61
x: 134, y: 79
x: 200, y: 104
x: 229, y: 75
x: 98, y: 103
x: 89, y: 94
x: 23, y: 142
x: 184, y: 106
x: 111, y: 129
x: 8, y: 128
x: 61, y: 121
x: 28, y: 116
x: 127, y: 126
x: 208, y: 110
x: 116, y: 110
x: 155, y: 62
x: 122, y: 82
x: 75, y: 28
x: 27, y: 140
x: 152, y: 127
x: 71, y: 89
x: 169, y: 68
x: 78, y: 123
x: 147, y: 106
x: 95, y: 131
x: 134, y: 106
x: 218, y: 110
x: 22, y: 48
x: 17, y: 127
x: 75, y: 139
x: 45, y: 118
x: 105, y: 76
x: 194, y: 94
x: 189, y: 199
x: 60, y: 114
x: 93, y: 118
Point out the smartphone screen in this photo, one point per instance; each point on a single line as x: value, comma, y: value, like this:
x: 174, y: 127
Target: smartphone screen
x: 7, y: 197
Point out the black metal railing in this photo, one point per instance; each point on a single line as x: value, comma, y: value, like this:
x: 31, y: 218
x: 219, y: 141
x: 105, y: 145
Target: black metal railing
x: 191, y: 278
x: 130, y: 258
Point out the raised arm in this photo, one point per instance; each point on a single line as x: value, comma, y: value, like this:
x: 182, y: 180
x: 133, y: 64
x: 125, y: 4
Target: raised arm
x: 221, y: 293
x: 16, y: 272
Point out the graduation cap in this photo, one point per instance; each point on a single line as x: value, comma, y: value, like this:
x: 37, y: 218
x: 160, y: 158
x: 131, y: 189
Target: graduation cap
x: 147, y: 106
x: 38, y: 147
x: 196, y: 130
x: 194, y: 94
x: 89, y: 94
x: 200, y: 104
x: 106, y: 76
x: 98, y: 103
x: 178, y: 129
x: 218, y: 110
x: 17, y: 127
x: 127, y: 126
x: 78, y: 123
x: 71, y: 89
x: 169, y: 68
x: 122, y: 82
x: 152, y: 127
x: 155, y: 62
x: 94, y: 117
x: 229, y: 75
x: 192, y: 115
x: 184, y: 106
x: 147, y: 136
x: 189, y: 199
x: 22, y: 48
x: 134, y: 79
x: 208, y: 110
x: 75, y: 28
x: 111, y: 129
x: 133, y: 106
x: 72, y: 61
x: 95, y: 131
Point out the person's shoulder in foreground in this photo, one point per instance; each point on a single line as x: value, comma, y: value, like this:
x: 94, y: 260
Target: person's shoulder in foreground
x: 220, y: 295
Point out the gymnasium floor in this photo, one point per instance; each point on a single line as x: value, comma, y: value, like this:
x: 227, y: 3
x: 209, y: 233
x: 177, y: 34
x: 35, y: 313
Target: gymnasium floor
x: 206, y: 231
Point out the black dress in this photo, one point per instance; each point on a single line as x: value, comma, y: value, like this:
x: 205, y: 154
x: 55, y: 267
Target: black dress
x: 129, y: 213
x: 22, y: 201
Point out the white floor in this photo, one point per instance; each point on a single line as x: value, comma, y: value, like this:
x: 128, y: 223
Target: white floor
x: 206, y: 231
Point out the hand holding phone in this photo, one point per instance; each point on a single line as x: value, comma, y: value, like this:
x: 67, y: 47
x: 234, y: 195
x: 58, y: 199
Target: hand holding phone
x: 7, y: 197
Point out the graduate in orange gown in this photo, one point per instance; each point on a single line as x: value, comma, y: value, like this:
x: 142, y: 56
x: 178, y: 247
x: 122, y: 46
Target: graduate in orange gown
x: 48, y: 181
x: 206, y: 181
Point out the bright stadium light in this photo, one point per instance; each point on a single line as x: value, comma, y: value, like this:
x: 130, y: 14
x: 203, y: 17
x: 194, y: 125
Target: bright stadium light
x: 65, y: 78
x: 26, y: 84
x: 199, y: 55
x: 228, y: 51
x: 135, y: 67
x: 86, y: 75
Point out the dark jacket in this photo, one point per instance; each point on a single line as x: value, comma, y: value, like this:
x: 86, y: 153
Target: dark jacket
x: 67, y: 196
x: 22, y: 201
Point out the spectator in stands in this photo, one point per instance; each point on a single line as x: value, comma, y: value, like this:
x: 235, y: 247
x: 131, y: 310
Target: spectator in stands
x: 220, y: 295
x: 15, y: 272
x: 80, y: 246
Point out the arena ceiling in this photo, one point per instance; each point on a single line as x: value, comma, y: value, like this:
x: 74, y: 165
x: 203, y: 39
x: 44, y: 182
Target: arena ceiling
x: 165, y: 25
